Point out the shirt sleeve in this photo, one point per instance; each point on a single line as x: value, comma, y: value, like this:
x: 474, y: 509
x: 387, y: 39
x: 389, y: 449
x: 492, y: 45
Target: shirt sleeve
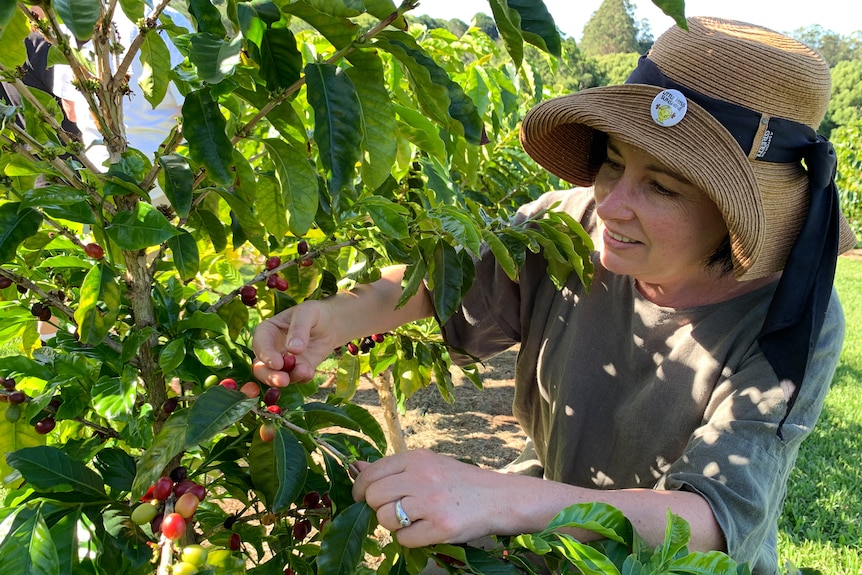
x: 737, y: 461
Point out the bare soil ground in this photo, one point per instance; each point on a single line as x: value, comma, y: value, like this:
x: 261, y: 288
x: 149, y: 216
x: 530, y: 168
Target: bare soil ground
x: 477, y: 427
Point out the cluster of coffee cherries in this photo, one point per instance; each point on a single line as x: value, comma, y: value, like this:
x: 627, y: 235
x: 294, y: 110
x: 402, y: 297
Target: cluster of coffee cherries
x: 248, y: 293
x: 270, y: 397
x: 16, y: 399
x: 184, y: 496
x: 365, y: 344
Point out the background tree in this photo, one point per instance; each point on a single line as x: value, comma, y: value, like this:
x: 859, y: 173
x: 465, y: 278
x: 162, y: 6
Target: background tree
x: 833, y: 47
x: 845, y: 106
x: 611, y: 29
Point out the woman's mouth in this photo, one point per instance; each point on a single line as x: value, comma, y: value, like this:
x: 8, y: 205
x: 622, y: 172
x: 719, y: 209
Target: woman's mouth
x: 619, y: 238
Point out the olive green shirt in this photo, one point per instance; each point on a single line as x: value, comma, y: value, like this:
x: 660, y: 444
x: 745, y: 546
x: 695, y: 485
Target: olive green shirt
x: 616, y: 392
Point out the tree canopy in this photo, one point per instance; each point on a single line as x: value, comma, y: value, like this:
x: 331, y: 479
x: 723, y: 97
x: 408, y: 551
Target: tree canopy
x: 611, y: 30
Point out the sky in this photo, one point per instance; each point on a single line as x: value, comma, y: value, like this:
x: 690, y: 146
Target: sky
x: 840, y: 16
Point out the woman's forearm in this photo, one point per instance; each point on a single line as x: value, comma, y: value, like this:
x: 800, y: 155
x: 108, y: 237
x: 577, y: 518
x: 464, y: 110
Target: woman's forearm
x: 372, y: 308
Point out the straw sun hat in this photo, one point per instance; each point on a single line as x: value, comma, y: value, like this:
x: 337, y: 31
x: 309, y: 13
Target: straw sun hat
x: 726, y: 104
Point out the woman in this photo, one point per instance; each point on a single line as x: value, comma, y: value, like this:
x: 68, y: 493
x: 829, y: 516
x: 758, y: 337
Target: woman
x: 688, y: 375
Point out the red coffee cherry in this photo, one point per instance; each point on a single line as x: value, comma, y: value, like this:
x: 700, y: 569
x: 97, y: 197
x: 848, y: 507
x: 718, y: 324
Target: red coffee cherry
x: 5, y: 282
x: 46, y: 425
x: 228, y: 382
x: 95, y: 251
x: 289, y: 361
x: 302, y: 247
x: 248, y: 292
x: 301, y: 529
x: 281, y: 284
x: 162, y: 488
x: 17, y: 397
x: 188, y: 486
x: 274, y: 409
x: 272, y: 262
x: 234, y: 542
x: 173, y: 526
x: 272, y: 395
x: 353, y: 348
x: 170, y: 405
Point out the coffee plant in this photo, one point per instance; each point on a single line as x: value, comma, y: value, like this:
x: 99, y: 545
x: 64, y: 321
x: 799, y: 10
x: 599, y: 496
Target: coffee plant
x: 317, y: 142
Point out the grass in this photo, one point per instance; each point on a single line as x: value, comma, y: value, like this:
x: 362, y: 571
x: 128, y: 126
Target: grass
x: 821, y: 528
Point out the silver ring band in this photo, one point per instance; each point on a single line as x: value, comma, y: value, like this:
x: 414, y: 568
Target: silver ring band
x: 402, y: 517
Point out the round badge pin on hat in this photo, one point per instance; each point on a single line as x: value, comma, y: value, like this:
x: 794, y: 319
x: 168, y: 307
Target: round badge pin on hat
x: 669, y: 108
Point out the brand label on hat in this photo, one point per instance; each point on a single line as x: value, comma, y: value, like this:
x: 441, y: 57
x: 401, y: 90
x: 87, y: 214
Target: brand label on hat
x: 668, y: 108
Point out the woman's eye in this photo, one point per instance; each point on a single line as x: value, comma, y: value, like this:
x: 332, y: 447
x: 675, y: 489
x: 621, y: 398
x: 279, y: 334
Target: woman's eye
x: 616, y: 166
x: 661, y: 190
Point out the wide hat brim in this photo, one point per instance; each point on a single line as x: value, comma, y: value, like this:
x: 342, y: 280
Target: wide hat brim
x: 559, y: 134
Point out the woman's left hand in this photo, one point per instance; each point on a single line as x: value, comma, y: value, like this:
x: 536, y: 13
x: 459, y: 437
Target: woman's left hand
x: 444, y: 500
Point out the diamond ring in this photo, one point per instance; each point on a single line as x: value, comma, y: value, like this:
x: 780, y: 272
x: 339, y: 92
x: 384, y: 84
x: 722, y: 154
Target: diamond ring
x: 402, y: 517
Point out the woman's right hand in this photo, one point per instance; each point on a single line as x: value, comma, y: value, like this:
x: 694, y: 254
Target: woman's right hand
x: 305, y: 331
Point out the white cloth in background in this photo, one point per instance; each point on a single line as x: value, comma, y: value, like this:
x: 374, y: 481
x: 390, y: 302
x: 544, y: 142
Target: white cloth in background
x: 146, y: 127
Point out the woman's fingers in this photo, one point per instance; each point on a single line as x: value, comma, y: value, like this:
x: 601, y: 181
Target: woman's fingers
x: 297, y: 331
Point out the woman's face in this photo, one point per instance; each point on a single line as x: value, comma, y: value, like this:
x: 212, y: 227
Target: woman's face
x: 656, y: 226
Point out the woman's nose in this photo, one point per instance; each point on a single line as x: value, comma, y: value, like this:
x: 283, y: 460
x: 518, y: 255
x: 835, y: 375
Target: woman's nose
x: 613, y: 199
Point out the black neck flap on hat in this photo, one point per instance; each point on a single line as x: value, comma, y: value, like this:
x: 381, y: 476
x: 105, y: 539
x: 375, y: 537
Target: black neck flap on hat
x: 798, y: 307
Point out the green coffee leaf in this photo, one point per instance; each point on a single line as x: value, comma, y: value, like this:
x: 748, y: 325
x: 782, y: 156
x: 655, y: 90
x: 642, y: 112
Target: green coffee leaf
x: 212, y: 353
x: 280, y: 60
x: 390, y: 217
x: 501, y: 254
x: 140, y: 228
x: 172, y: 355
x: 278, y: 469
x: 30, y: 549
x: 48, y: 469
x: 204, y: 128
x: 446, y: 277
x: 463, y: 229
x: 414, y: 275
x: 169, y: 442
x: 177, y: 183
x: 299, y: 187
x: 588, y: 560
x: 214, y: 57
x: 80, y: 16
x: 347, y: 376
x: 12, y: 35
x: 367, y: 423
x: 7, y: 10
x: 156, y: 63
x: 331, y: 19
x: 601, y: 518
x: 116, y: 467
x: 421, y: 131
x: 537, y: 25
x: 709, y: 563
x: 15, y: 436
x: 16, y: 225
x: 341, y: 548
x: 450, y: 106
x: 213, y: 411
x: 114, y: 397
x: 207, y: 17
x: 270, y: 204
x: 98, y: 305
x: 337, y: 129
x: 377, y: 116
x: 184, y: 250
